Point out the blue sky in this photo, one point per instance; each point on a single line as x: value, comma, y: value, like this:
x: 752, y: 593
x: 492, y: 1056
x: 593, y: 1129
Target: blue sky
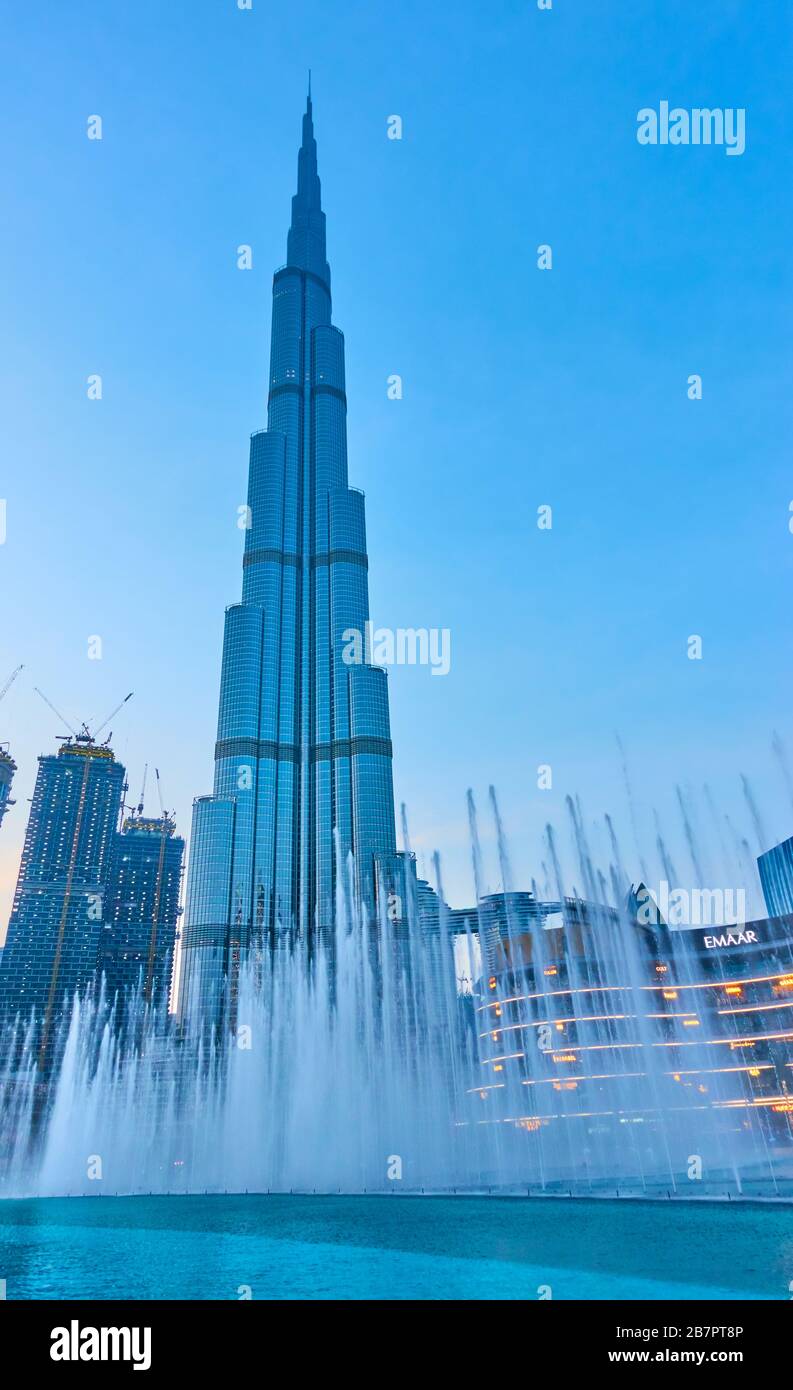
x: 521, y: 387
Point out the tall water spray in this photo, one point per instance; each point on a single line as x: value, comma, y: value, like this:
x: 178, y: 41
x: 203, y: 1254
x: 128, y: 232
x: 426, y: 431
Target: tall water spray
x: 360, y: 1064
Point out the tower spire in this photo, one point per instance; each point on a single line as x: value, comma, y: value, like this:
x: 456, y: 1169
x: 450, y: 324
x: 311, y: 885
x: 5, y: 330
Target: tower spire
x: 306, y: 242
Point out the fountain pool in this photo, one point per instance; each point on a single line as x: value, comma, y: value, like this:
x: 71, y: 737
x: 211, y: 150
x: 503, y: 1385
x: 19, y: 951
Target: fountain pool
x: 398, y: 1247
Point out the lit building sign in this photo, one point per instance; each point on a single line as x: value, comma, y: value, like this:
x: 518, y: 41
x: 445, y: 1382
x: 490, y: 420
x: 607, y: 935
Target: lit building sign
x: 730, y: 938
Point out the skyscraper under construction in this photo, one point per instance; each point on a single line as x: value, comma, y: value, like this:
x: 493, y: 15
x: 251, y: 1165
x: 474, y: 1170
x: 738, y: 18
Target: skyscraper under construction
x: 7, y: 765
x: 7, y: 769
x: 56, y: 916
x: 141, y: 911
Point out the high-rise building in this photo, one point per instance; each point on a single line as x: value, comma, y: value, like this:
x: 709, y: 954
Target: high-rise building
x: 56, y: 917
x: 7, y: 765
x: 303, y: 752
x: 776, y: 878
x: 7, y: 769
x: 141, y: 912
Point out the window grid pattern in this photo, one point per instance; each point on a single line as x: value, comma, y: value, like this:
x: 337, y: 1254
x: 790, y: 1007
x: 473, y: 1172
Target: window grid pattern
x: 303, y: 746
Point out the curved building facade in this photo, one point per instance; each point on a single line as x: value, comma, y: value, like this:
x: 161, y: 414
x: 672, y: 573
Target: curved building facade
x: 623, y: 1048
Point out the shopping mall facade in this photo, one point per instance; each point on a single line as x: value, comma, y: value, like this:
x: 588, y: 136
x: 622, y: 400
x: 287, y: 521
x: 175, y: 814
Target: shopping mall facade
x: 601, y: 1018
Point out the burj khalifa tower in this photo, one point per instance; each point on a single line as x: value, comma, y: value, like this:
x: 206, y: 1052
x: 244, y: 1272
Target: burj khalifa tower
x: 303, y: 753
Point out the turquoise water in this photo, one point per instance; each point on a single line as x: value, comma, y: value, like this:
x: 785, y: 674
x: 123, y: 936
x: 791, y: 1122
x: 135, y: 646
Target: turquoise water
x: 303, y: 1247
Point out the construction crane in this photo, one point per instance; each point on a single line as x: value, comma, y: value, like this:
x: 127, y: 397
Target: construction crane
x: 10, y: 681
x: 105, y: 722
x: 143, y: 789
x: 55, y: 711
x: 163, y: 811
x: 85, y: 733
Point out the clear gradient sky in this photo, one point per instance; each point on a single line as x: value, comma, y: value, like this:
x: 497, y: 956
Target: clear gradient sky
x: 521, y: 387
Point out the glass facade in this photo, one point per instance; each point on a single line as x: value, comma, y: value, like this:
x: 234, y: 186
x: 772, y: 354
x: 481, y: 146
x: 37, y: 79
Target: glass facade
x: 776, y: 877
x: 303, y: 750
x: 7, y: 769
x: 56, y: 918
x: 141, y: 913
x: 635, y: 1019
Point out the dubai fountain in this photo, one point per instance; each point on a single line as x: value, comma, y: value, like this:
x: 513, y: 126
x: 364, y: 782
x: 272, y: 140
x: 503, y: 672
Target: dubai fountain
x: 364, y: 1066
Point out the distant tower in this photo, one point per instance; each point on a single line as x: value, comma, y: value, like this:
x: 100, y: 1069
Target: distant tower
x: 7, y: 769
x: 56, y: 918
x: 303, y: 749
x: 776, y: 878
x: 142, y: 909
x: 7, y: 765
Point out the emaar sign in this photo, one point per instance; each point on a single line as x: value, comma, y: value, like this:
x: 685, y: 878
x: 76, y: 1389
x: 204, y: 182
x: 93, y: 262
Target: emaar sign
x: 730, y: 938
